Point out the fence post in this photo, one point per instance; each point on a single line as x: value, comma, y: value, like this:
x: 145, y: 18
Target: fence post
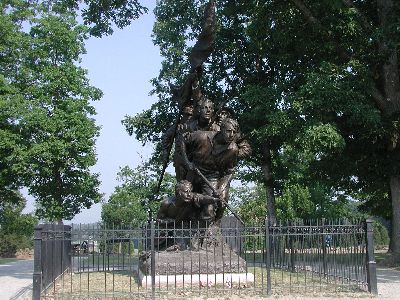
x: 324, y: 262
x: 153, y: 260
x: 291, y: 246
x: 371, y: 264
x: 67, y: 246
x: 268, y: 256
x: 37, y: 264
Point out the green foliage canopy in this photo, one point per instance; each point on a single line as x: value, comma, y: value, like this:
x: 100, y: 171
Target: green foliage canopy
x: 101, y: 15
x: 131, y: 201
x: 296, y: 202
x: 16, y: 228
x: 292, y: 82
x: 47, y: 128
x: 308, y: 79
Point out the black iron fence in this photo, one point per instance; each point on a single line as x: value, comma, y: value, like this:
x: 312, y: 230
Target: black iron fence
x: 322, y: 256
x: 52, y: 256
x: 189, y: 260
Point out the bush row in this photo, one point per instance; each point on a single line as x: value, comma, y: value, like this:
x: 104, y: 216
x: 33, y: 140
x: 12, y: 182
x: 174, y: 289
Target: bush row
x: 10, y: 243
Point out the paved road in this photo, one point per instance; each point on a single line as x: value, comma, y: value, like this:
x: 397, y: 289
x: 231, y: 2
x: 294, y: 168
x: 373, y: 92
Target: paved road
x: 16, y: 280
x: 388, y: 283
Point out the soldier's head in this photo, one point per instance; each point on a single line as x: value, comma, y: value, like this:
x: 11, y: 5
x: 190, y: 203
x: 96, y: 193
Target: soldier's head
x: 229, y: 130
x: 223, y: 113
x: 205, y: 109
x: 183, y: 190
x: 188, y: 110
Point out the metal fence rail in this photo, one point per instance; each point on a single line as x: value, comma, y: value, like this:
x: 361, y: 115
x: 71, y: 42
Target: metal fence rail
x: 144, y: 262
x: 52, y: 256
x: 319, y: 256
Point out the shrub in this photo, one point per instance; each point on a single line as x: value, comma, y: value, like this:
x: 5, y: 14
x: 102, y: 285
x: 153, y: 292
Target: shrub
x: 381, y: 235
x: 10, y: 243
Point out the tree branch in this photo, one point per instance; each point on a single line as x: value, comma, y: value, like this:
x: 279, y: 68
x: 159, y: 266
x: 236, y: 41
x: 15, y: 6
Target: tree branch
x: 307, y: 13
x: 313, y: 20
x: 364, y: 21
x: 390, y: 76
x: 379, y: 99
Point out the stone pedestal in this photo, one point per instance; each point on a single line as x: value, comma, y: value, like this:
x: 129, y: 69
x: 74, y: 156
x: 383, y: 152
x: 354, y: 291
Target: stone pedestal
x: 195, y: 267
x: 208, y: 260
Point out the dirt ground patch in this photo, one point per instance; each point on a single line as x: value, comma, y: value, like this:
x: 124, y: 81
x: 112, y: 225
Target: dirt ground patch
x: 24, y: 254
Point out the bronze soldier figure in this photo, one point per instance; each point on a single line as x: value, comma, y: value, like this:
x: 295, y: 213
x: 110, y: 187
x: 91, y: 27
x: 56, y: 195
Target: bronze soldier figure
x: 184, y: 206
x: 215, y: 155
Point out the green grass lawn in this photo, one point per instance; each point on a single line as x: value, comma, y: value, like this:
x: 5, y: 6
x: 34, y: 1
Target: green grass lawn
x: 7, y: 260
x: 103, y: 259
x: 387, y: 260
x: 124, y: 285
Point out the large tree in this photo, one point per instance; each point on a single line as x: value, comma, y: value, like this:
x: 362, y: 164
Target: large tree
x: 47, y: 130
x: 352, y: 85
x: 13, y: 46
x: 315, y: 85
x: 63, y: 146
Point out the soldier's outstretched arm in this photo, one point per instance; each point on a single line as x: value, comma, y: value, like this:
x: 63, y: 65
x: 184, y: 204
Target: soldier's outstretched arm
x: 201, y: 199
x: 183, y: 150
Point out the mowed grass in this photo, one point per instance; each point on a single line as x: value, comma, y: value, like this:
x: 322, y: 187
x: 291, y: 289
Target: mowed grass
x: 103, y: 259
x: 387, y: 260
x: 124, y: 285
x: 4, y: 261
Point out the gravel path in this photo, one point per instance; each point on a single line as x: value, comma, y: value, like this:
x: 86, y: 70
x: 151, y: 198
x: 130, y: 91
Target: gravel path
x: 16, y: 280
x: 388, y: 283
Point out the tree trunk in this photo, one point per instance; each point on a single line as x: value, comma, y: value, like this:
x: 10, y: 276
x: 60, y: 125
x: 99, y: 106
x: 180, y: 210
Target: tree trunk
x: 395, y: 232
x: 268, y: 182
x: 58, y: 191
x: 390, y: 82
x: 389, y: 77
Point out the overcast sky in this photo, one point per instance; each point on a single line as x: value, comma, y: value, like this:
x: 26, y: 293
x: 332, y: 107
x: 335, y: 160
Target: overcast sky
x: 120, y: 65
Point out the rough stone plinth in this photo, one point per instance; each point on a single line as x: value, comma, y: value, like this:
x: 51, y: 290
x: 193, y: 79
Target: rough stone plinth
x: 210, y: 261
x: 195, y: 258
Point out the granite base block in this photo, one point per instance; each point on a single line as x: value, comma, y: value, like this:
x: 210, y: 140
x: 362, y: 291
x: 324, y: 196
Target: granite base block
x: 201, y: 280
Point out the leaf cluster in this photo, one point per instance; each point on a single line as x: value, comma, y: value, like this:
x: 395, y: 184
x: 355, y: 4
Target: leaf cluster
x: 133, y: 200
x: 16, y: 228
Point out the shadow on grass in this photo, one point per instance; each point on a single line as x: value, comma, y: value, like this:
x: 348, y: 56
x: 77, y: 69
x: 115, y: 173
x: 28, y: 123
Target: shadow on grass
x: 387, y: 260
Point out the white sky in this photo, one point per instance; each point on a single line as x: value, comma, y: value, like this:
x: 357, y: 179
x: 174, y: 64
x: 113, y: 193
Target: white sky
x: 120, y: 65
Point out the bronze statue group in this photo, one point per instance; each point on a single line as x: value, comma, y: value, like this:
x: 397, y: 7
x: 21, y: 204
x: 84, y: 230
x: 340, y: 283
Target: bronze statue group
x: 208, y: 145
